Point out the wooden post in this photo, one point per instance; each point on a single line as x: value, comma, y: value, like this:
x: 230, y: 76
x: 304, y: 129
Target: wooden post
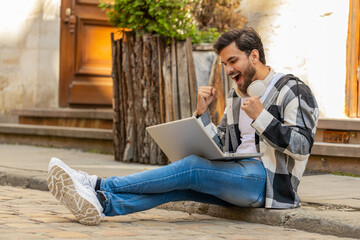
x: 140, y: 109
x: 217, y: 106
x: 174, y: 78
x: 134, y: 92
x: 212, y: 71
x: 169, y: 105
x: 129, y: 147
x: 183, y: 80
x: 146, y: 58
x: 122, y: 99
x: 191, y: 76
x: 160, y: 51
x: 155, y: 97
x: 115, y: 103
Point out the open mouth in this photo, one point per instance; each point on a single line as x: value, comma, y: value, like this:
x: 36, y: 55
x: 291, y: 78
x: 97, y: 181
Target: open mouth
x: 236, y: 78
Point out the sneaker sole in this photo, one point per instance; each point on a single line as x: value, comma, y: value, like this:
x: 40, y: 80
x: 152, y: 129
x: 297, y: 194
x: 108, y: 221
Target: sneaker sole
x: 62, y: 187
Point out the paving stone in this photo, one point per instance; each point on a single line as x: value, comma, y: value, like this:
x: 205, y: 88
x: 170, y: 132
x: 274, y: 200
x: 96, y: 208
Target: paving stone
x: 23, y: 225
x: 49, y: 220
x: 46, y: 219
x: 20, y: 236
x: 18, y: 219
x: 68, y: 235
x: 42, y: 230
x: 118, y: 233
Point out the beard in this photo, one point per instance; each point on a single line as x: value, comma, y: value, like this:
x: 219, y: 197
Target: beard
x: 248, y: 74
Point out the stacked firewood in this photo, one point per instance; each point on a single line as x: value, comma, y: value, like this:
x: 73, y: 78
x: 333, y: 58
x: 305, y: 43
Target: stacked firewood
x: 154, y: 82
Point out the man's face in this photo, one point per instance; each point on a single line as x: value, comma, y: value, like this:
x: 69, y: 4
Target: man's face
x: 238, y: 66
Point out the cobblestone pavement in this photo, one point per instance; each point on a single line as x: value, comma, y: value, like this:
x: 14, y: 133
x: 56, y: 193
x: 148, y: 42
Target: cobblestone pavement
x: 33, y: 214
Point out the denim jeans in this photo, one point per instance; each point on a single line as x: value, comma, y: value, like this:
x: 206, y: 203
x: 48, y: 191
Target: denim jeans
x: 240, y: 183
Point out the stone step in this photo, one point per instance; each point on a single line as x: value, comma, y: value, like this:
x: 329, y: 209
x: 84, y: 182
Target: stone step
x: 342, y: 131
x: 336, y: 149
x: 335, y: 157
x: 346, y: 124
x: 86, y: 139
x: 67, y: 117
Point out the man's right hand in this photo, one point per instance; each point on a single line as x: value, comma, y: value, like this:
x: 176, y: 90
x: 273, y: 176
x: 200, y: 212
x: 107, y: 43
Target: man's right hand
x: 206, y: 95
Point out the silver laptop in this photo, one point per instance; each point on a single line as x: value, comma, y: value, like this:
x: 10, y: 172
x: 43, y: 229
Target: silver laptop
x: 185, y: 137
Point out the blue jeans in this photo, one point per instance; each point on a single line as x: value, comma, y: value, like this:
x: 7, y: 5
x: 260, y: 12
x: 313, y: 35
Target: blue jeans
x: 240, y: 183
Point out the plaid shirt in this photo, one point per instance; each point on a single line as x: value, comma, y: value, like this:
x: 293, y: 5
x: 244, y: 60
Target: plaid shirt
x: 281, y: 136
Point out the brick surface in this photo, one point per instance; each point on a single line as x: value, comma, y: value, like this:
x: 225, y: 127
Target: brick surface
x: 33, y: 214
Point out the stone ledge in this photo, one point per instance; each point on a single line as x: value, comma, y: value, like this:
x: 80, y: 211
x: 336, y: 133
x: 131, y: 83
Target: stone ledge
x: 336, y: 149
x: 339, y: 124
x: 82, y: 144
x: 310, y: 219
x: 19, y: 179
x: 330, y: 164
x: 69, y: 132
x: 66, y: 113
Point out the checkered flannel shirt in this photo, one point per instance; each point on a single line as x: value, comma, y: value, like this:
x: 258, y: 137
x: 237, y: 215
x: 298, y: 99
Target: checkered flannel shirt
x: 281, y: 136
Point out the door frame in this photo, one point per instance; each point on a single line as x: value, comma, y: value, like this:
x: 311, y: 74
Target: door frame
x: 66, y: 67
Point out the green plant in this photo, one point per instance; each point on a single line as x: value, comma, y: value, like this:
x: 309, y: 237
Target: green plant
x: 206, y: 36
x: 202, y: 20
x: 169, y: 18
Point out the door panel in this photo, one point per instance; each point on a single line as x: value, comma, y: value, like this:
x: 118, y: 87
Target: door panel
x: 90, y: 93
x: 93, y: 52
x: 85, y: 55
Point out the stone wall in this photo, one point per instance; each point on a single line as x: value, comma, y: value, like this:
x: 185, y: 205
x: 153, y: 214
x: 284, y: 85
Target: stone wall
x: 306, y: 38
x: 29, y: 55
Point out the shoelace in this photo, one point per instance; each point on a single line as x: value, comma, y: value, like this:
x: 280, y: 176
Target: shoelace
x: 84, y: 178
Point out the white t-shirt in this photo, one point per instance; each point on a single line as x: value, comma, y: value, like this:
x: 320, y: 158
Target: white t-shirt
x: 247, y: 131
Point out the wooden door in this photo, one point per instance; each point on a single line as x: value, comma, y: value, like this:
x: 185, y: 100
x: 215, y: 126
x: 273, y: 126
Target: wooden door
x: 352, y: 103
x: 85, y: 55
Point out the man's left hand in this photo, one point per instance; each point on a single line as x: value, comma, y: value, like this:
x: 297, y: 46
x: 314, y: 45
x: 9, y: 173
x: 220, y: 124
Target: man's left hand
x: 252, y: 107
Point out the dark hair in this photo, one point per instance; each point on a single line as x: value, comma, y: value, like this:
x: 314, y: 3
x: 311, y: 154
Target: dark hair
x: 246, y: 39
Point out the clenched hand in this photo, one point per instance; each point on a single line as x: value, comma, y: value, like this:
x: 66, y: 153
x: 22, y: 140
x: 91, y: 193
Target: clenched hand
x: 252, y: 107
x: 206, y: 95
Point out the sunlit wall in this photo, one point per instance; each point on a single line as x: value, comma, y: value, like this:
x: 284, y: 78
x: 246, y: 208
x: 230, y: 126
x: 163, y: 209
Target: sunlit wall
x: 29, y: 55
x: 303, y: 37
x: 306, y: 38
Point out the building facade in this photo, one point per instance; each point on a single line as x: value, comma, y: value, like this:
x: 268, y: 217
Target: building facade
x: 29, y: 55
x: 306, y: 38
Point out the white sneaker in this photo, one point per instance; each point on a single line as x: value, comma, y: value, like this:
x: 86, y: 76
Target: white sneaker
x: 64, y: 184
x: 83, y: 177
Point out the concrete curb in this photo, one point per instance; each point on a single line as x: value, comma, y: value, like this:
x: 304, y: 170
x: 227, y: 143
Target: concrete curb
x: 306, y: 218
x: 310, y: 218
x: 23, y: 180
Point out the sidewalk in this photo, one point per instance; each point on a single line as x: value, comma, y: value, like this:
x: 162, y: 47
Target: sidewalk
x: 32, y: 215
x: 331, y: 204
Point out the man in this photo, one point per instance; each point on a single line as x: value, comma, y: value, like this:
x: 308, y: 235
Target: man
x: 268, y: 112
